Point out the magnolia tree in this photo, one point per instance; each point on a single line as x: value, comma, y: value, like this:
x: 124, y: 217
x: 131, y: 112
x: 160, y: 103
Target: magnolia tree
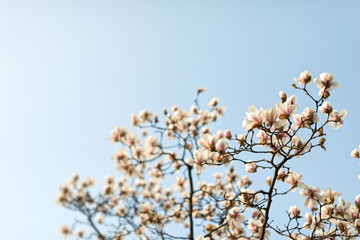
x: 160, y: 192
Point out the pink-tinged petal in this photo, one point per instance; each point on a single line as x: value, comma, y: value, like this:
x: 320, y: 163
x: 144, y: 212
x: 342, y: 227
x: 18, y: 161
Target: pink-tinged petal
x: 335, y: 85
x: 221, y: 145
x: 318, y: 83
x: 252, y: 109
x: 343, y: 113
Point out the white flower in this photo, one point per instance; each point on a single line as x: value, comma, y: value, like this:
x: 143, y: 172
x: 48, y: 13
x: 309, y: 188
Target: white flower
x: 235, y: 216
x: 286, y: 110
x: 336, y: 119
x: 293, y: 179
x: 250, y: 167
x: 355, y: 153
x: 312, y: 194
x: 305, y: 78
x: 200, y: 161
x: 326, y: 108
x: 343, y: 209
x: 295, y: 211
x: 326, y: 81
x: 254, y: 118
x: 221, y: 145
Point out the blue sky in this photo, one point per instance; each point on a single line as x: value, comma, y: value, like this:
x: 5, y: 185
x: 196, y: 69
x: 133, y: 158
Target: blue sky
x: 72, y: 70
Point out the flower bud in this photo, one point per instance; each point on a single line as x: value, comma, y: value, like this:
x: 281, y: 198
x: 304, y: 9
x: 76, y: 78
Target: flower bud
x: 156, y: 119
x: 213, y: 102
x: 242, y: 139
x: 268, y: 181
x: 228, y: 134
x: 326, y: 108
x: 355, y: 153
x: 295, y: 211
x: 201, y: 90
x: 283, y: 96
x: 221, y: 146
x: 251, y: 167
x: 189, y: 146
x: 321, y: 131
x: 324, y: 93
x: 281, y: 175
x: 174, y: 108
x: 321, y: 143
x: 305, y: 77
x: 194, y: 109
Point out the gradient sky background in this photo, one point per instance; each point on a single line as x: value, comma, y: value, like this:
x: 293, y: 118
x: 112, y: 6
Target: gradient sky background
x: 72, y: 70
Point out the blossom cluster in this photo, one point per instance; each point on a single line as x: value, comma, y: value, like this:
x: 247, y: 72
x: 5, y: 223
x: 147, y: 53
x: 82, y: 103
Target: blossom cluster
x: 161, y: 184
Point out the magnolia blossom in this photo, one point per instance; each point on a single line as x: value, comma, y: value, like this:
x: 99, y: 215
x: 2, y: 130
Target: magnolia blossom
x: 282, y: 96
x: 100, y: 218
x: 326, y: 81
x: 299, y: 146
x: 329, y: 196
x: 326, y: 108
x: 181, y: 183
x: 270, y: 116
x: 357, y: 201
x: 65, y: 230
x: 250, y: 167
x: 263, y: 137
x: 298, y: 122
x: 228, y: 134
x: 254, y: 225
x: 208, y: 142
x: 221, y: 145
x: 357, y: 225
x: 293, y: 178
x: 355, y: 153
x: 241, y: 139
x: 281, y: 175
x: 295, y: 211
x: 311, y: 194
x: 343, y: 209
x: 235, y: 216
x: 213, y: 102
x: 80, y: 233
x: 305, y: 78
x: 268, y: 181
x: 254, y: 118
x: 177, y: 215
x: 308, y: 218
x: 354, y: 212
x: 286, y: 110
x: 200, y: 161
x: 248, y: 197
x: 244, y: 181
x: 327, y: 211
x: 336, y: 119
x: 209, y: 211
x: 146, y: 207
x: 309, y: 116
x: 305, y: 119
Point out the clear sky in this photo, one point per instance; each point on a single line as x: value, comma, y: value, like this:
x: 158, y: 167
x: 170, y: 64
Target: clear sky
x: 71, y: 70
